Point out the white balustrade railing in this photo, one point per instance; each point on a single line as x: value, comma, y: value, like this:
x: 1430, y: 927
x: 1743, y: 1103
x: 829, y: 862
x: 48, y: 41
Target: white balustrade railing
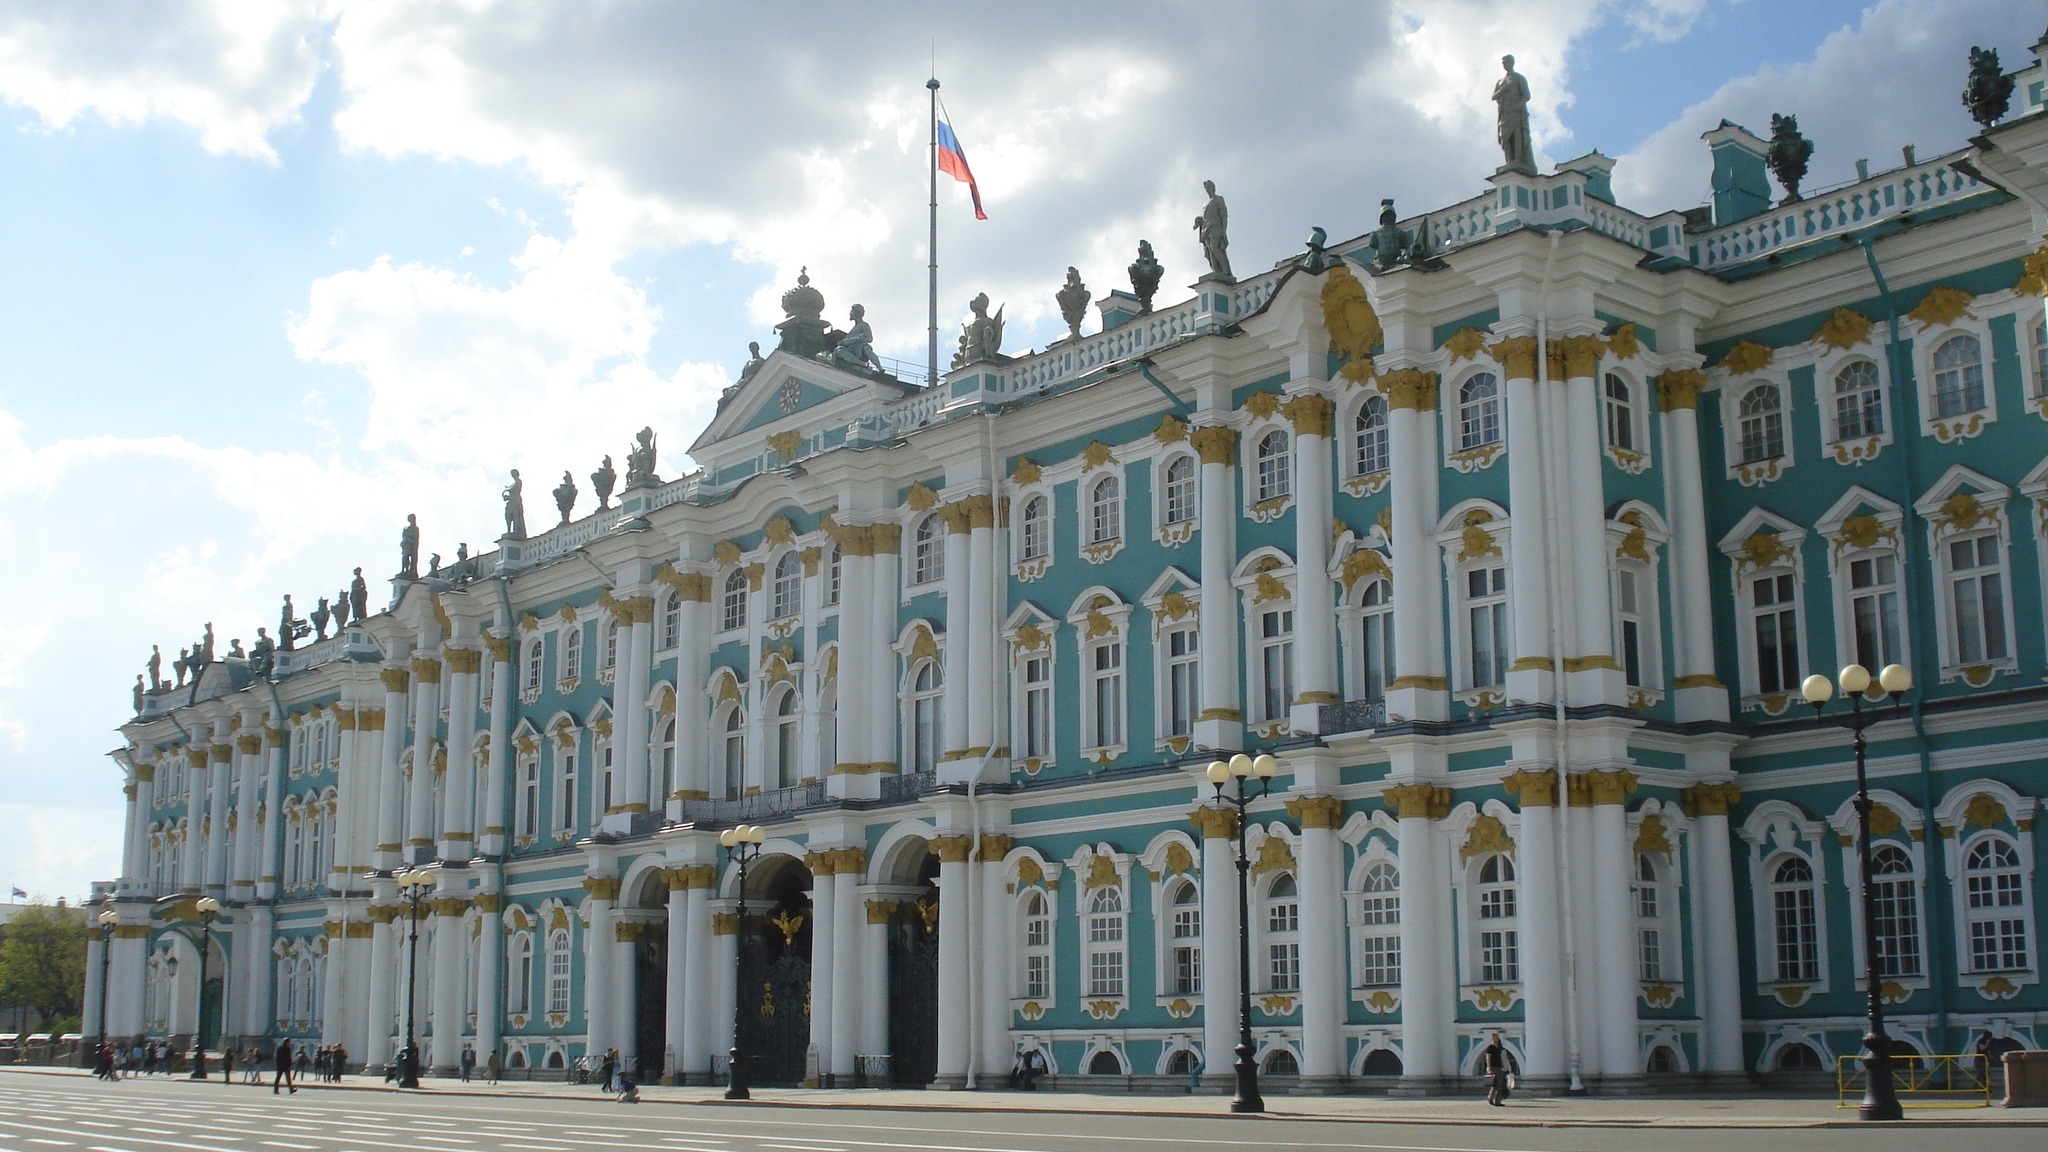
x: 1838, y: 210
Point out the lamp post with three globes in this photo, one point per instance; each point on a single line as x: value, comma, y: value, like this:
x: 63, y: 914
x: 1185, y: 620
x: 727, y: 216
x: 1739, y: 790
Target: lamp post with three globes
x: 1243, y: 769
x: 742, y: 844
x: 208, y: 909
x: 1880, y: 1100
x: 412, y: 885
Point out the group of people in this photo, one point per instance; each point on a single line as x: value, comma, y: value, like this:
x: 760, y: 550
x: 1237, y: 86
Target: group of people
x: 614, y: 1080
x: 150, y: 1058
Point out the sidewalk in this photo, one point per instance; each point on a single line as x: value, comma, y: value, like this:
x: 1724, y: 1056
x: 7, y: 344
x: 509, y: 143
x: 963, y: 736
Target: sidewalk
x: 1746, y: 1111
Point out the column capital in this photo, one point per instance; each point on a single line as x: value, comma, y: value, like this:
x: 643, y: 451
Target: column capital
x: 1311, y: 414
x: 395, y: 679
x: 1410, y: 388
x: 602, y: 887
x: 1533, y: 789
x: 1214, y: 823
x: 725, y: 923
x: 952, y: 849
x: 1610, y: 786
x: 1321, y: 812
x: 250, y: 743
x: 1680, y: 388
x: 882, y: 911
x: 464, y: 661
x: 995, y: 846
x: 1419, y: 801
x: 1580, y: 355
x: 1216, y: 444
x: 426, y: 669
x: 1710, y: 799
x: 1516, y: 356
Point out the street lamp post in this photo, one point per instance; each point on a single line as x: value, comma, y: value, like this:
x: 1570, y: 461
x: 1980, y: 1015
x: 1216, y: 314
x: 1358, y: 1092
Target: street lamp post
x: 1242, y: 768
x: 412, y: 886
x: 1880, y: 1100
x: 208, y: 908
x: 742, y: 844
x: 107, y: 919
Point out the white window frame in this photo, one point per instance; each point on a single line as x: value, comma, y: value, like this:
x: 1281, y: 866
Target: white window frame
x: 1036, y: 938
x: 1502, y: 601
x: 1808, y: 897
x: 1496, y: 908
x: 834, y: 575
x: 665, y: 754
x: 923, y: 719
x: 925, y: 543
x: 1277, y: 953
x: 671, y: 621
x: 1943, y: 532
x: 732, y: 601
x: 1180, y: 675
x: 1180, y: 932
x: 569, y: 656
x: 1118, y: 635
x: 1375, y: 919
x: 1271, y: 631
x: 526, y: 800
x: 1865, y: 445
x: 1359, y: 476
x: 729, y: 762
x: 1961, y: 829
x: 2032, y: 335
x: 786, y: 599
x: 1272, y: 465
x: 536, y: 663
x: 1928, y: 344
x: 1477, y: 422
x: 1633, y: 417
x: 1366, y: 615
x: 1174, y: 497
x: 1253, y: 605
x: 1031, y: 567
x: 1654, y: 900
x: 567, y: 768
x: 1105, y: 937
x: 1996, y: 904
x: 560, y: 964
x: 1034, y: 527
x: 1022, y: 688
x: 1649, y: 595
x: 608, y: 649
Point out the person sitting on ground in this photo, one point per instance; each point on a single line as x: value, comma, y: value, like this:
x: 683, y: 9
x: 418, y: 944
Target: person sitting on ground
x: 629, y: 1092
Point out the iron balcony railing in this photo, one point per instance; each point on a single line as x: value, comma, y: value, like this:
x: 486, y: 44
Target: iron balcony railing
x: 908, y: 786
x: 1351, y: 716
x: 757, y: 807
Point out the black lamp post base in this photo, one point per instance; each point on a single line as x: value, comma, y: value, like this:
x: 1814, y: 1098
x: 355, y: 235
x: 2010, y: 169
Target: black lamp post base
x: 736, y: 1083
x: 1880, y: 1099
x: 1247, y: 1098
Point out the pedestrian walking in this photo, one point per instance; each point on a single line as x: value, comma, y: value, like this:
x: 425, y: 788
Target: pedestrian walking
x: 284, y: 1068
x: 467, y: 1062
x: 340, y: 1062
x: 227, y: 1064
x: 492, y: 1067
x: 1498, y: 1064
x: 305, y: 1061
x: 252, y: 1066
x: 608, y: 1069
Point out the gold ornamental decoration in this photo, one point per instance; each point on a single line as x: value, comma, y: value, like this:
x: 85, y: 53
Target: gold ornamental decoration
x: 1624, y: 342
x: 1747, y: 356
x: 1353, y: 325
x: 1465, y: 343
x: 1941, y: 306
x: 1488, y: 835
x: 1843, y: 330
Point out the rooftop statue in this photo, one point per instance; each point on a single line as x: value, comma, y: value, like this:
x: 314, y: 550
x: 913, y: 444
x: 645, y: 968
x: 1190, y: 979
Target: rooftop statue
x: 1389, y: 243
x: 1511, y: 98
x: 1212, y: 228
x: 802, y: 331
x: 434, y: 564
x: 235, y: 650
x: 753, y: 363
x: 1317, y: 257
x: 1073, y: 300
x: 565, y: 495
x: 138, y: 693
x: 156, y: 668
x: 182, y: 665
x: 1989, y: 91
x: 1145, y: 273
x: 341, y: 615
x: 290, y: 627
x: 602, y: 481
x: 320, y: 615
x: 461, y: 570
x: 640, y: 461
x: 515, y: 507
x: 408, y: 550
x: 856, y: 346
x: 981, y: 338
x: 1788, y: 155
x: 206, y: 645
x: 359, y: 597
x: 260, y: 659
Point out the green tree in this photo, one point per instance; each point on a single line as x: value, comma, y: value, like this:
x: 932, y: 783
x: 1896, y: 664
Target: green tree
x: 42, y: 961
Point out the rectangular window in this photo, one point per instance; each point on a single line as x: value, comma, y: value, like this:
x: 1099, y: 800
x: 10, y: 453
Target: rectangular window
x: 1649, y: 955
x: 1797, y: 935
x: 1874, y: 608
x: 1283, y: 967
x: 1897, y: 921
x: 1977, y: 600
x: 558, y: 975
x: 1487, y: 612
x: 1378, y: 653
x: 1037, y: 976
x: 1038, y: 707
x: 1776, y: 620
x: 1276, y: 656
x: 1183, y: 681
x: 565, y: 816
x: 1628, y: 606
x: 529, y: 799
x: 1108, y: 676
x: 1187, y: 970
x: 1379, y: 961
x: 1500, y: 960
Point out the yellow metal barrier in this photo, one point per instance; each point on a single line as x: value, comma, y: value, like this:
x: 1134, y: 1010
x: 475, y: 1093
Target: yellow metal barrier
x: 1921, y: 1081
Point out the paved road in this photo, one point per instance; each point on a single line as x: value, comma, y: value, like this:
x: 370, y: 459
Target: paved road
x: 41, y: 1113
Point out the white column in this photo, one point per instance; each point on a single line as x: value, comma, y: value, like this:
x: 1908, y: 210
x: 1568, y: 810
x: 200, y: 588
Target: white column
x: 1582, y: 970
x: 272, y: 826
x: 693, y: 743
x: 1531, y: 671
x: 1315, y: 595
x: 1418, y: 688
x: 219, y: 776
x: 625, y: 988
x: 700, y: 1019
x: 993, y: 988
x: 348, y: 789
x: 490, y: 963
x: 676, y: 1003
x: 1714, y: 887
x: 458, y: 822
x: 979, y: 655
x: 141, y: 794
x: 725, y: 957
x: 953, y: 929
x: 1614, y: 925
x: 333, y: 1004
x: 498, y: 757
x: 1542, y: 943
x: 1220, y: 724
x: 598, y: 965
x: 1428, y: 969
x: 95, y: 948
x: 631, y: 706
x: 1700, y: 694
x: 824, y: 868
x: 125, y: 978
x: 856, y: 640
x: 1218, y: 830
x: 881, y: 666
x: 1585, y: 518
x: 426, y: 692
x: 390, y: 785
x: 849, y: 943
x: 192, y: 868
x: 381, y: 1007
x: 248, y: 762
x: 959, y: 573
x: 446, y: 1009
x: 259, y: 971
x: 875, y: 971
x: 1324, y: 987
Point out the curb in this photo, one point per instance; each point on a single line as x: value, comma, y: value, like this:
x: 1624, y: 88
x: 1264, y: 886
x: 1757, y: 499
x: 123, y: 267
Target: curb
x: 1507, y: 1121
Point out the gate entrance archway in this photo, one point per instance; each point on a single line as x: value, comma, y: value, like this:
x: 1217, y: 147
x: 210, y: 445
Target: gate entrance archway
x: 914, y: 976
x: 775, y: 967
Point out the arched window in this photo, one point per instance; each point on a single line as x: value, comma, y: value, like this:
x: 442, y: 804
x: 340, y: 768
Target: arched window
x: 1376, y: 642
x: 1895, y: 900
x: 928, y: 550
x: 1105, y: 511
x: 1649, y: 921
x: 1035, y: 529
x: 1996, y: 905
x: 608, y: 656
x: 1104, y: 944
x: 1184, y: 963
x: 671, y: 620
x: 927, y: 683
x: 287, y: 994
x: 1105, y: 1063
x: 1621, y: 413
x: 1500, y: 951
x: 1958, y: 376
x: 734, y: 751
x: 1795, y: 933
x: 733, y: 603
x: 832, y: 577
x: 1181, y: 1063
x: 1379, y: 921
x: 788, y: 753
x: 558, y: 972
x: 294, y: 847
x: 1478, y: 411
x: 1275, y: 466
x: 533, y: 666
x: 1859, y: 402
x: 789, y: 586
x: 1369, y: 437
x: 2037, y: 345
x: 1281, y: 1062
x: 1283, y: 935
x: 1179, y: 505
x: 1797, y: 1058
x: 1762, y: 424
x: 571, y: 666
x: 519, y: 979
x: 316, y: 843
x: 1035, y: 974
x: 665, y: 755
x: 1661, y: 1060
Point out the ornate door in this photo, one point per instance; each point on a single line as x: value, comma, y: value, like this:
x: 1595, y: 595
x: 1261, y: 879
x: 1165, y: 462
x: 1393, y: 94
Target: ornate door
x: 914, y: 992
x: 650, y: 1017
x: 776, y: 1012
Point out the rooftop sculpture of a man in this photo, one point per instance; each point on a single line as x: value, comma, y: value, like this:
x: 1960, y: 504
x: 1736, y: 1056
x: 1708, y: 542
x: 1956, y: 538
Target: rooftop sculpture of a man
x: 515, y: 507
x: 1212, y: 228
x: 1511, y: 97
x: 856, y: 349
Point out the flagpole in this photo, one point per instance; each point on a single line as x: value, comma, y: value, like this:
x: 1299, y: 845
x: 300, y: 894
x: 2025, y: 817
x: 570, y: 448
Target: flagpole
x: 932, y: 362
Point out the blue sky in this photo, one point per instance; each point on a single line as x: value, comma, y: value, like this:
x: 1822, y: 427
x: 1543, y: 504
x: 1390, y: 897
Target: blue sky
x: 267, y: 285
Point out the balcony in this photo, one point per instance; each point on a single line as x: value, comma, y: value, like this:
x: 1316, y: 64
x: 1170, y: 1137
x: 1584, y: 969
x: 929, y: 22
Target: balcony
x: 758, y: 807
x: 908, y: 786
x: 1351, y: 716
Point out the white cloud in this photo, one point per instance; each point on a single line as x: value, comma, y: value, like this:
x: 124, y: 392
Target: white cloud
x: 232, y: 69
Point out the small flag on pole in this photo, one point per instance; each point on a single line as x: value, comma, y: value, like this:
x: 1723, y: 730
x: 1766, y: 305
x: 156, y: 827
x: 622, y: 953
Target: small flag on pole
x: 953, y: 162
x: 19, y: 894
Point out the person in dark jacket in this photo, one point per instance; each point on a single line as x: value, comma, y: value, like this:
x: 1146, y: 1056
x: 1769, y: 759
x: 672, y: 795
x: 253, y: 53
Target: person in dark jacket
x: 1496, y: 1062
x: 283, y: 1057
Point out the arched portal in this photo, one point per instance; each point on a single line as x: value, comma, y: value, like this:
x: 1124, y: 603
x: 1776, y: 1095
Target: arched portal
x: 775, y: 966
x: 646, y: 909
x: 914, y: 965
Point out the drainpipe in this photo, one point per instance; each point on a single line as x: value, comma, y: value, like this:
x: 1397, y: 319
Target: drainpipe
x: 1549, y: 430
x: 505, y: 845
x: 1938, y: 951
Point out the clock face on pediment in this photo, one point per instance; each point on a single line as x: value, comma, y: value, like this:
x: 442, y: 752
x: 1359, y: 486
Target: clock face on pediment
x: 789, y: 396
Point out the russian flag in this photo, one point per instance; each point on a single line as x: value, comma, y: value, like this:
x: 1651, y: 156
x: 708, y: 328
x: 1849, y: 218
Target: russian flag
x: 953, y: 162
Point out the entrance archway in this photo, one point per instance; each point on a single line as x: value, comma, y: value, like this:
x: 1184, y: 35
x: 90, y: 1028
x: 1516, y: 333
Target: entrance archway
x: 775, y: 966
x: 914, y: 968
x: 648, y: 912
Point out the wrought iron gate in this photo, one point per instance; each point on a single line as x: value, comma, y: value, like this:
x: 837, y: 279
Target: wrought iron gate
x: 914, y: 992
x: 776, y: 1012
x: 650, y: 1019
